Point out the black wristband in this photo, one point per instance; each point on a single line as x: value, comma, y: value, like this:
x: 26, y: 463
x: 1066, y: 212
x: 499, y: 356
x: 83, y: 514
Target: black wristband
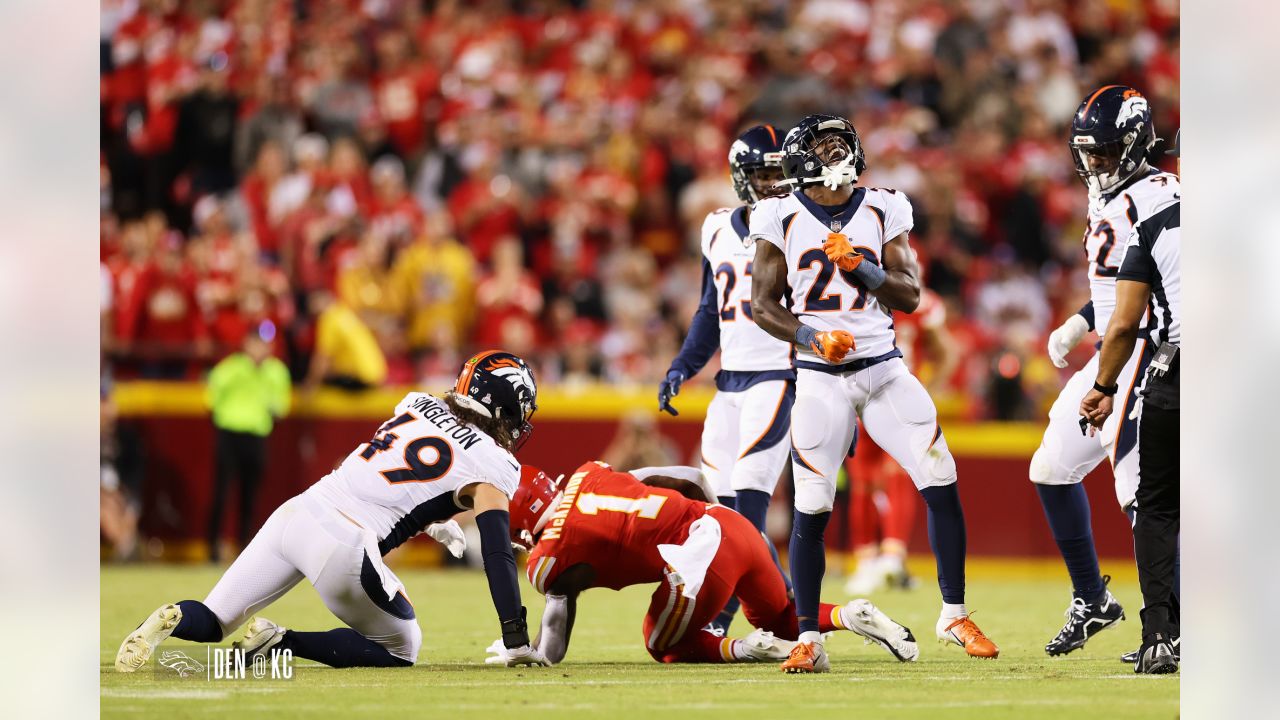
x: 515, y: 632
x: 1108, y: 391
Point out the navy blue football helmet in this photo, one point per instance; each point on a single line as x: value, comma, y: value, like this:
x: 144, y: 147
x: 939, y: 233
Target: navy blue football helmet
x: 500, y: 385
x: 758, y: 149
x: 1111, y: 137
x: 818, y: 146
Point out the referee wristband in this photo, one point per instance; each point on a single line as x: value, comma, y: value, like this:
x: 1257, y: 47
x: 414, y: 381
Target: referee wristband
x: 1107, y: 390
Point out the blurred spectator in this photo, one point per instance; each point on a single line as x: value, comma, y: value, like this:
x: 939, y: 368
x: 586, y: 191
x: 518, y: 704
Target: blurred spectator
x: 434, y: 279
x: 247, y: 392
x: 508, y: 295
x: 639, y: 444
x: 118, y: 501
x: 346, y: 353
x: 595, y: 135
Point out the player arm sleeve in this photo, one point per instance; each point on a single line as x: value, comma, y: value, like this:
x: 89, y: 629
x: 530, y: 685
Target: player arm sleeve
x: 1086, y: 312
x: 557, y: 625
x: 500, y: 569
x: 704, y: 332
x: 1138, y: 264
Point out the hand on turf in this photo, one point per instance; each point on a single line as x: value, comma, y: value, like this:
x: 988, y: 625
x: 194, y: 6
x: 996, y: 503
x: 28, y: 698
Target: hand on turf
x: 670, y: 388
x: 1096, y: 408
x: 840, y: 252
x: 832, y: 345
x: 450, y: 535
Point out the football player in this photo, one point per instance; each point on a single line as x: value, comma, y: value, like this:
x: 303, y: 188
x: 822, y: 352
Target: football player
x: 611, y: 529
x: 837, y: 255
x: 434, y: 459
x: 1111, y: 138
x: 743, y: 439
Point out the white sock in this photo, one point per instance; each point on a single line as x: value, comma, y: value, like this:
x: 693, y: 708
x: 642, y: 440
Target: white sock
x: 739, y: 651
x: 811, y: 636
x: 951, y: 612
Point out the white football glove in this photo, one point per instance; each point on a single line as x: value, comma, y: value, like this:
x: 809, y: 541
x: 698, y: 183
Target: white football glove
x: 514, y: 657
x: 1066, y: 337
x: 449, y: 534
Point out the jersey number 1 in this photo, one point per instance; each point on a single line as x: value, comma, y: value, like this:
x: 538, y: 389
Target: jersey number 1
x: 415, y: 469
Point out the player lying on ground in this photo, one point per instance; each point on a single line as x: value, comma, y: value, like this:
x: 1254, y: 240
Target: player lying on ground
x: 832, y: 264
x: 1111, y: 140
x: 434, y: 459
x: 611, y: 529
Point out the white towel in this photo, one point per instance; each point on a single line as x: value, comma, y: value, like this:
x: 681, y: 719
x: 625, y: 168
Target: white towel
x: 691, y: 560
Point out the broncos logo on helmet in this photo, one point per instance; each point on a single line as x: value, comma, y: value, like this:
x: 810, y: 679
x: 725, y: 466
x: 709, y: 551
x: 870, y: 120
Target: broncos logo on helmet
x: 501, y: 386
x: 1111, y: 137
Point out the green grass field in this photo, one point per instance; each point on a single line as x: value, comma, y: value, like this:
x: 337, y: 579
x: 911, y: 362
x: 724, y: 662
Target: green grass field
x: 607, y: 671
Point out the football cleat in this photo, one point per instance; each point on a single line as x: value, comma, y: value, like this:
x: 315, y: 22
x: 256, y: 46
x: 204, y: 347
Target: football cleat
x: 868, y: 579
x: 141, y: 643
x: 1084, y: 620
x: 807, y: 658
x: 867, y: 620
x: 260, y: 635
x: 762, y: 645
x: 963, y: 632
x: 1131, y: 657
x: 1156, y: 657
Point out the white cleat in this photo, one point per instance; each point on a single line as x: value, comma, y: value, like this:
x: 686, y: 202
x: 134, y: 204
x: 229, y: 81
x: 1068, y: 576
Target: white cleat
x: 870, y: 622
x: 762, y: 645
x: 141, y: 643
x: 260, y: 635
x: 870, y: 578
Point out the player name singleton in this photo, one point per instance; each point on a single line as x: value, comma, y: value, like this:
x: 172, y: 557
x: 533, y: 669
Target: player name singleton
x: 436, y: 413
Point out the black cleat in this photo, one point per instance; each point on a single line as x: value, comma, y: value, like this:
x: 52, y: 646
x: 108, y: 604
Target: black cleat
x: 1084, y: 620
x: 1156, y: 657
x: 1131, y: 657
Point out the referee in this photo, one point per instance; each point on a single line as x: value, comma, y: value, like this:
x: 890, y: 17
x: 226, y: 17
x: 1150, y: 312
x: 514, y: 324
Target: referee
x: 1150, y: 277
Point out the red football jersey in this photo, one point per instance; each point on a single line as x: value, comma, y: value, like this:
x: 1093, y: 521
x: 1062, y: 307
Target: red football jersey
x: 614, y: 523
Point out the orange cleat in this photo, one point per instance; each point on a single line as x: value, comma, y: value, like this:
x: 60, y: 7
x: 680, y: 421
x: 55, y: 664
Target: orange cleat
x: 963, y: 632
x: 807, y: 658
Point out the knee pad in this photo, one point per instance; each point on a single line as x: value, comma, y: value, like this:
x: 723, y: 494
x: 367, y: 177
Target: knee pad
x: 814, y: 494
x: 937, y: 467
x: 1047, y: 469
x: 407, y: 645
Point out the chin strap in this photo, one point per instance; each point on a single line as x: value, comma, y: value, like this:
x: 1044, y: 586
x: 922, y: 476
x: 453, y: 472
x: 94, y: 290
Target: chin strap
x: 842, y: 173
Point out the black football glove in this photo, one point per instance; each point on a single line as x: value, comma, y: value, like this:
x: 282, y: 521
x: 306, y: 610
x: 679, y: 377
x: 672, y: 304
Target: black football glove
x: 669, y: 389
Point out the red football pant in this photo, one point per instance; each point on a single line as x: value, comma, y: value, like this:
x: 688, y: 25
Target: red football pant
x: 882, y: 498
x: 674, y: 626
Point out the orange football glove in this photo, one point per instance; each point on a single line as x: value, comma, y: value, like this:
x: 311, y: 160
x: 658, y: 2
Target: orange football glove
x: 832, y: 345
x: 840, y: 252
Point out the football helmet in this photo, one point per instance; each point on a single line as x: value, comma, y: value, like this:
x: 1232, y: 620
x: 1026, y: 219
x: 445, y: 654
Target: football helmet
x: 822, y: 149
x: 755, y: 150
x: 501, y: 386
x: 532, y: 505
x: 1111, y: 137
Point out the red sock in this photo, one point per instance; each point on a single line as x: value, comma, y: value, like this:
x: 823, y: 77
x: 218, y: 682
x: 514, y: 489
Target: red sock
x: 829, y: 618
x: 699, y: 647
x: 862, y: 513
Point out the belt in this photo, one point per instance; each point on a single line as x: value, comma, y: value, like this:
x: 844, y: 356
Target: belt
x: 854, y: 366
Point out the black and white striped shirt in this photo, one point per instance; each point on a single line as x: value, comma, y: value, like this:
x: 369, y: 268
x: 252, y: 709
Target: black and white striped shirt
x: 1154, y: 257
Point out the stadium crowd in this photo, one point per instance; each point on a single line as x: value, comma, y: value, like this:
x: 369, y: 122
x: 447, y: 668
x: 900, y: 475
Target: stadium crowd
x: 379, y: 187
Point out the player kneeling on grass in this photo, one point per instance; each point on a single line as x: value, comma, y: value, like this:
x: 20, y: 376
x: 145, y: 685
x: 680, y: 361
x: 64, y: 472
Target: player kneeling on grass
x: 612, y: 529
x: 435, y: 458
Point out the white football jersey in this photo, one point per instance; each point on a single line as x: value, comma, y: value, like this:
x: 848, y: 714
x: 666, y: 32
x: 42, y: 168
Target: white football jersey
x: 1108, y: 232
x: 408, y: 475
x: 820, y: 296
x: 743, y: 345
